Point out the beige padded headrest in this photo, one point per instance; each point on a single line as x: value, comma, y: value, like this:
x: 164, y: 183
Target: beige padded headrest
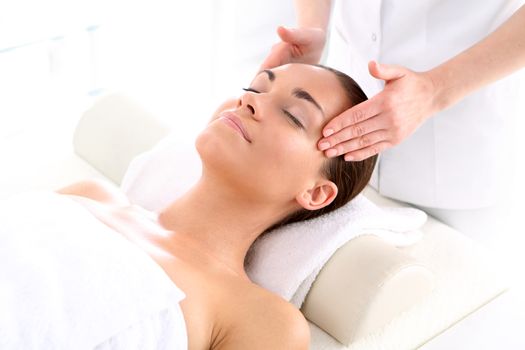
x: 363, y: 286
x: 115, y: 130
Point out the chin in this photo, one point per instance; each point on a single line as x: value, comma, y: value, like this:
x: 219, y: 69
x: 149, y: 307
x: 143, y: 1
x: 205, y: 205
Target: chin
x: 220, y: 154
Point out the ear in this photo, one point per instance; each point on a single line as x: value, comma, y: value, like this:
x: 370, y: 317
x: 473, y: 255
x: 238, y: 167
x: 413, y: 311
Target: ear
x: 317, y: 197
x: 228, y: 104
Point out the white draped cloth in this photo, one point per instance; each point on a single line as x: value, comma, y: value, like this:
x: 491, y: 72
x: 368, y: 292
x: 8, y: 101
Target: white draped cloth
x: 68, y: 281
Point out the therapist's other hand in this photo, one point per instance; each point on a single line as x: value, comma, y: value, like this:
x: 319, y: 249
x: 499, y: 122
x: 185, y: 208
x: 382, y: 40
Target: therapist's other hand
x: 298, y: 45
x: 386, y: 119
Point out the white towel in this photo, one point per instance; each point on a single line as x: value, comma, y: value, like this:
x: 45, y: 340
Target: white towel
x: 157, y: 177
x: 68, y: 281
x: 287, y: 260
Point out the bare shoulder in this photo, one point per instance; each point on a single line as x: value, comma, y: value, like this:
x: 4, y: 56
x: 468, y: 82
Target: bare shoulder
x: 97, y: 189
x: 267, y: 322
x: 291, y: 329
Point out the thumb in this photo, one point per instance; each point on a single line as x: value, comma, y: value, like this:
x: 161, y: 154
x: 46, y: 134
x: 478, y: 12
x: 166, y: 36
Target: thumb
x: 385, y: 71
x: 294, y: 35
x: 279, y: 54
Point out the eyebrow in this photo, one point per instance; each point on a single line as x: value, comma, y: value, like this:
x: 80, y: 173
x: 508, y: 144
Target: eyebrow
x: 300, y: 93
x: 297, y: 92
x: 271, y: 75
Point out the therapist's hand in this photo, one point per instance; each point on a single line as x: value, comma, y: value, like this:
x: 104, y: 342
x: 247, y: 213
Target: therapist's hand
x: 384, y: 120
x: 303, y: 45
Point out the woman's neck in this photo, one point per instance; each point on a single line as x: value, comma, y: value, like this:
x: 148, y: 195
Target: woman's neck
x: 217, y: 222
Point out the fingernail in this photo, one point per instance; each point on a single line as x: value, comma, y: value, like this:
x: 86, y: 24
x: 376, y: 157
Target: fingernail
x: 349, y: 157
x: 324, y: 145
x: 331, y: 152
x: 328, y: 132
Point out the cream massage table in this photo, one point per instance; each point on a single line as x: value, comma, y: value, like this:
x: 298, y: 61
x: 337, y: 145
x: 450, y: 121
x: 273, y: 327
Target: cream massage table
x: 368, y: 296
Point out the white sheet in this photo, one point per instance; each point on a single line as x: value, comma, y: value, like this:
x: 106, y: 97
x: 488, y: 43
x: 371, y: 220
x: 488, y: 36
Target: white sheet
x: 68, y: 281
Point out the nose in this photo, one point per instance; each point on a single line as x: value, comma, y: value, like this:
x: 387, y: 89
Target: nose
x: 246, y: 101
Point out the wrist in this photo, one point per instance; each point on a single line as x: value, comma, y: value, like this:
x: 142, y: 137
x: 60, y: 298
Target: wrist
x: 313, y: 14
x: 441, y: 93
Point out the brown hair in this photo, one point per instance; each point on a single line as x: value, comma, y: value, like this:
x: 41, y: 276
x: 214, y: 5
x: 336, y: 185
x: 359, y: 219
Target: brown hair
x: 349, y: 177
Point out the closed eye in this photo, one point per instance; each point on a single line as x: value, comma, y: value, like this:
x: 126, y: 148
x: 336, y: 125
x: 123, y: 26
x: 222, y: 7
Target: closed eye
x: 251, y: 90
x: 294, y: 119
x: 288, y: 114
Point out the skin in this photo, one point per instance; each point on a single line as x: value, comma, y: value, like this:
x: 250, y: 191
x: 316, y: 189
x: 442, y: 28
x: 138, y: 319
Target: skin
x: 409, y: 97
x: 201, y: 239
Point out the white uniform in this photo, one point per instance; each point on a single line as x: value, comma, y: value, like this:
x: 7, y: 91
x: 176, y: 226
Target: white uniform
x: 459, y: 158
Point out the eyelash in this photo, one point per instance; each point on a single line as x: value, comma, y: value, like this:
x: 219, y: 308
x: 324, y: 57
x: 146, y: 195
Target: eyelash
x: 288, y: 114
x: 251, y: 90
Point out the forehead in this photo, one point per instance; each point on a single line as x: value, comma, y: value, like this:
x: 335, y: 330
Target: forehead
x: 322, y: 84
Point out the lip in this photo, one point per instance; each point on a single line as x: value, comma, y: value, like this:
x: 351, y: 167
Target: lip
x: 231, y: 119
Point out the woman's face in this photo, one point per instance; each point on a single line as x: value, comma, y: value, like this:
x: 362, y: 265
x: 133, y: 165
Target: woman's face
x: 282, y: 112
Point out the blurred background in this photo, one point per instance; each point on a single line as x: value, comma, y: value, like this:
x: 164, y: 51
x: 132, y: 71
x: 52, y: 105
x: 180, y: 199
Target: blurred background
x: 181, y: 59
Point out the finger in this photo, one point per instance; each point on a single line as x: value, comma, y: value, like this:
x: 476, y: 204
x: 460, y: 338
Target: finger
x: 354, y: 115
x: 297, y: 36
x: 351, y: 132
x: 284, y: 34
x: 367, y: 152
x: 278, y: 55
x: 270, y: 62
x: 358, y: 143
x: 385, y: 71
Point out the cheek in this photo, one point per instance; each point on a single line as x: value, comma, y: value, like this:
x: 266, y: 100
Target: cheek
x: 284, y: 161
x: 282, y: 147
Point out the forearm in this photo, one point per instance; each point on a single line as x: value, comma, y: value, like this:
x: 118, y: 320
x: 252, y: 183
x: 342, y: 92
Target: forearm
x: 496, y: 56
x: 313, y: 13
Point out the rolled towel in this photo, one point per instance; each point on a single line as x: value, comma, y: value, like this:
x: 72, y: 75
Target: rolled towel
x: 157, y: 177
x: 287, y: 259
